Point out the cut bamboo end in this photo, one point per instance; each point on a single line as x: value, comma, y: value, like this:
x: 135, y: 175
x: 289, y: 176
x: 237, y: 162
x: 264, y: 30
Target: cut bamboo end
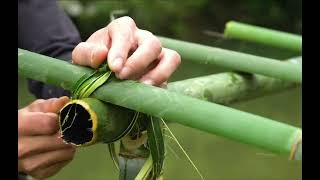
x: 78, y: 123
x: 296, y: 150
x: 88, y: 121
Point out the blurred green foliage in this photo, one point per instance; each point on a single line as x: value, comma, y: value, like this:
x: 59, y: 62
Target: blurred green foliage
x: 189, y: 19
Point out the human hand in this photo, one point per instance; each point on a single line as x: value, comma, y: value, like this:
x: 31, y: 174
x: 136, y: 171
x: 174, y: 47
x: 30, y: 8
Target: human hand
x: 41, y: 153
x: 132, y: 53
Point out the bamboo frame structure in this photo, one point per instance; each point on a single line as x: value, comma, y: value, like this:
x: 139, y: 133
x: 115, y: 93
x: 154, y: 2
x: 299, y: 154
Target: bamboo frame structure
x: 240, y: 126
x: 212, y: 56
x: 261, y: 35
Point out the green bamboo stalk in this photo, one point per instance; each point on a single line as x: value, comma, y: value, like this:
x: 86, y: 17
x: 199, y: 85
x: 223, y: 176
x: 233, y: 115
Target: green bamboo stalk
x: 278, y: 39
x: 232, y: 87
x: 223, y: 121
x: 234, y: 60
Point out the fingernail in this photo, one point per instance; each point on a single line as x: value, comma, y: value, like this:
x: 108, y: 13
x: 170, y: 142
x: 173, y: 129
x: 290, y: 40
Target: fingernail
x: 125, y: 72
x: 117, y: 64
x: 148, y: 82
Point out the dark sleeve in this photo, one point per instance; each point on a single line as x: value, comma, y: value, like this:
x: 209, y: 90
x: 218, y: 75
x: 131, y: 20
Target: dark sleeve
x: 44, y: 27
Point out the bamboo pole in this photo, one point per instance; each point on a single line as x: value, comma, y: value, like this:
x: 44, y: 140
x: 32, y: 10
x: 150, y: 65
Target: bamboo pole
x: 232, y: 87
x: 212, y: 56
x: 278, y: 39
x: 223, y: 121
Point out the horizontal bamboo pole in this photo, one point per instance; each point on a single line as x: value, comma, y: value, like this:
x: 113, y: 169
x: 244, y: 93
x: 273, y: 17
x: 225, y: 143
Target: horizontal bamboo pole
x: 223, y: 121
x: 274, y: 38
x: 212, y: 56
x: 231, y: 87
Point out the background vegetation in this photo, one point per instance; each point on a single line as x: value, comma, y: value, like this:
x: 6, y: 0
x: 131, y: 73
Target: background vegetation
x: 200, y: 21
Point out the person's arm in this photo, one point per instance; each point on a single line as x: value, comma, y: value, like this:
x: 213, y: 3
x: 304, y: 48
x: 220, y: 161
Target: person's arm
x: 44, y: 27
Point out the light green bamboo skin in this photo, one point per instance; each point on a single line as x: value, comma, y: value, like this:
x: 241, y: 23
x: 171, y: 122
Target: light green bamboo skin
x: 223, y: 121
x: 269, y: 37
x: 231, y: 87
x: 211, y: 56
x: 109, y: 122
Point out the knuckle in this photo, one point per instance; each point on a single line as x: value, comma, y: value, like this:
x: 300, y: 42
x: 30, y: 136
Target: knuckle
x: 155, y: 44
x: 122, y: 22
x: 135, y: 65
x: 128, y: 20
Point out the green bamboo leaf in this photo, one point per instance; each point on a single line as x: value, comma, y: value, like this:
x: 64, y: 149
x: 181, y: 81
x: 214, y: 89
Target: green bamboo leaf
x: 113, y: 154
x: 156, y: 145
x: 95, y: 83
x: 79, y: 83
x: 129, y: 128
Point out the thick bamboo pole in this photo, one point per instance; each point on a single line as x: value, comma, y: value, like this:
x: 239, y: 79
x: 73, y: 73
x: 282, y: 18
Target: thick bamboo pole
x: 209, y: 117
x: 231, y: 87
x: 234, y: 60
x: 278, y: 39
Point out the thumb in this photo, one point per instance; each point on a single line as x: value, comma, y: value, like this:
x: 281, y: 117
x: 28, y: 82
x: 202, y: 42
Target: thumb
x: 56, y: 104
x: 89, y: 54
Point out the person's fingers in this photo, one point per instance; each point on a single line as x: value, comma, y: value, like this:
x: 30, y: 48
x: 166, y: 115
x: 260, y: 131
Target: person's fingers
x: 31, y: 145
x: 121, y: 32
x: 149, y: 48
x: 89, y: 54
x: 48, y: 171
x: 100, y: 37
x: 53, y: 105
x: 37, y: 123
x: 43, y: 160
x: 169, y: 61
